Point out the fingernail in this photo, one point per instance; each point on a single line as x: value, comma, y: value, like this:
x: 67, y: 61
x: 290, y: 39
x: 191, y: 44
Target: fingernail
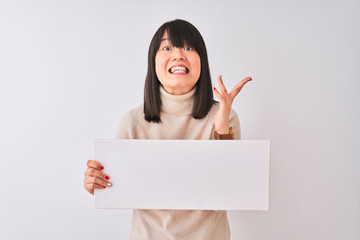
x: 101, y: 168
x: 107, y: 177
x: 214, y: 88
x: 104, y: 187
x: 109, y: 184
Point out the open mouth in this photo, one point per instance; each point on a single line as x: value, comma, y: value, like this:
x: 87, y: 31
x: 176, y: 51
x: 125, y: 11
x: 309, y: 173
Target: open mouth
x: 178, y: 69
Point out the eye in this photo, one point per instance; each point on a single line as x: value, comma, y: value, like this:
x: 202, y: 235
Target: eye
x: 166, y: 48
x: 187, y: 48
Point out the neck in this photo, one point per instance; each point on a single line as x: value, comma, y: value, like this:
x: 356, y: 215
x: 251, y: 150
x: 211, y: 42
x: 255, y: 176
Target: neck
x: 177, y: 104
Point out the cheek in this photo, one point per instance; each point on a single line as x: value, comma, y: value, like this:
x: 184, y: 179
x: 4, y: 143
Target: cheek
x: 160, y: 64
x: 198, y: 65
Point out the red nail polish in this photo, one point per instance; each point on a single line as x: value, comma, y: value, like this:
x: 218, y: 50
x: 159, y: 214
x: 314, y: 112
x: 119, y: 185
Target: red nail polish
x: 106, y: 177
x: 214, y: 88
x: 104, y: 187
x: 101, y: 167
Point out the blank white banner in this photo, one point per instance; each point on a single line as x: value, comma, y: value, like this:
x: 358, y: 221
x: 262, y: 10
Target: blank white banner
x: 184, y: 174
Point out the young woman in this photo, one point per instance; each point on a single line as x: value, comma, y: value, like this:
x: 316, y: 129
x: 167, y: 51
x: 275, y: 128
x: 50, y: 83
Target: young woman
x: 178, y: 104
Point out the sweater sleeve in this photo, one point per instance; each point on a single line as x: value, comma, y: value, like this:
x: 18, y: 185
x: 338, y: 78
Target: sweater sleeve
x: 125, y: 128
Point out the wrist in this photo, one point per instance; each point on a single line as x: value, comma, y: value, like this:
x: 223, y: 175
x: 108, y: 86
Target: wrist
x: 229, y: 135
x: 223, y: 130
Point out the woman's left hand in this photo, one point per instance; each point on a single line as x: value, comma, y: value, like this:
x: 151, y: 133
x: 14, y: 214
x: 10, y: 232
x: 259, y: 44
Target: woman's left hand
x: 226, y: 99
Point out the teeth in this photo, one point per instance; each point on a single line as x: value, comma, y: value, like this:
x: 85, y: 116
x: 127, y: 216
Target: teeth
x: 178, y: 69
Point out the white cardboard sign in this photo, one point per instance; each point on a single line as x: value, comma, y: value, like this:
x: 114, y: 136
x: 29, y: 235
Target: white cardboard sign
x: 184, y: 174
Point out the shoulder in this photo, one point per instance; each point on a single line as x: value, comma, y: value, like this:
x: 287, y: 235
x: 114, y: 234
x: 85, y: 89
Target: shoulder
x: 137, y: 113
x: 134, y: 114
x: 128, y: 121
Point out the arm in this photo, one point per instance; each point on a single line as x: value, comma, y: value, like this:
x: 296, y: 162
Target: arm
x: 234, y: 131
x: 225, y: 118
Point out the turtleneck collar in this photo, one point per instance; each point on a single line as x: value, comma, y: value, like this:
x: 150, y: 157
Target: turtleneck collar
x: 177, y: 104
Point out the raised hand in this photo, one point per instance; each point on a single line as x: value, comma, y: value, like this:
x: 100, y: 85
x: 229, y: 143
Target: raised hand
x: 226, y: 99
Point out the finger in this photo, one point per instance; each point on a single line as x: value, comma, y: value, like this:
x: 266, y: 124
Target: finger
x: 218, y: 94
x: 99, y: 181
x: 93, y: 172
x: 238, y: 87
x: 91, y: 186
x: 95, y: 164
x: 221, y: 85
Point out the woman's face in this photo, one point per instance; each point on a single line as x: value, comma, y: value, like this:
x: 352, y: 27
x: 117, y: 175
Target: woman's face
x: 178, y: 69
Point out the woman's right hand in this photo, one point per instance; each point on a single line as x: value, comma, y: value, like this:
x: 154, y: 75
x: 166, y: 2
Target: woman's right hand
x: 94, y: 177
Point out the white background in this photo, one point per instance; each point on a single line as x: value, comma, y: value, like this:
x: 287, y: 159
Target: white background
x: 69, y: 70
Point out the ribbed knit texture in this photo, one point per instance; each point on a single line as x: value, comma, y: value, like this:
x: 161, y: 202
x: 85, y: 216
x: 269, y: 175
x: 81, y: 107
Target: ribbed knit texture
x: 176, y: 123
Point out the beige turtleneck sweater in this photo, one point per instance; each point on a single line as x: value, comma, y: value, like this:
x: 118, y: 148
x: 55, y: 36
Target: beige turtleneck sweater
x: 176, y: 123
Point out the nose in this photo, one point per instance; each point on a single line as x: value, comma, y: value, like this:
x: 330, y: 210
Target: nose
x: 178, y: 54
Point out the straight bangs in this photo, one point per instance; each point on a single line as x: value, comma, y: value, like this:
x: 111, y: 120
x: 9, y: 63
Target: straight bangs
x: 180, y: 35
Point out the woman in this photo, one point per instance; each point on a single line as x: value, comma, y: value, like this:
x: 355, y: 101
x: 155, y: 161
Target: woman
x: 178, y: 104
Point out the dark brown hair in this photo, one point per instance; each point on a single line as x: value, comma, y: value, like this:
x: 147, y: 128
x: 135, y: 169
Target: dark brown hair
x: 180, y: 32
